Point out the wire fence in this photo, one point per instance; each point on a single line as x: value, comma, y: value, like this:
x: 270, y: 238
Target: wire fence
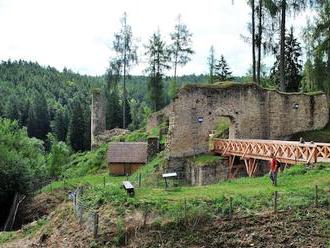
x: 188, y: 210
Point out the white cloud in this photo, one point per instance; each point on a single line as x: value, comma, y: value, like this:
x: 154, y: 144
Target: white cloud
x: 77, y: 34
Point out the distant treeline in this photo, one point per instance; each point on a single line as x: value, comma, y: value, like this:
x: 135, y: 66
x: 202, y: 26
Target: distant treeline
x: 45, y: 100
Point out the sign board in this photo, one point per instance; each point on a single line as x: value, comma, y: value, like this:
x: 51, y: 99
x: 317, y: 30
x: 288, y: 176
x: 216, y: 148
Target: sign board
x: 200, y: 119
x: 173, y: 174
x: 128, y: 185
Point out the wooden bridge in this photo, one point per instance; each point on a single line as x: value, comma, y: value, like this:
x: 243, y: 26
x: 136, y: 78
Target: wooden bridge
x: 287, y: 152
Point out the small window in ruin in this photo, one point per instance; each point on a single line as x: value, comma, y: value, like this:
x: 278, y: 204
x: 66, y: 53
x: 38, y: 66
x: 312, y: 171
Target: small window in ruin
x: 210, y: 113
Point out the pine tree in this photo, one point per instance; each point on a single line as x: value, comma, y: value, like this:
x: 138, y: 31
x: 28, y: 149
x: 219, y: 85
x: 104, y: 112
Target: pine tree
x: 285, y: 7
x: 77, y: 125
x: 222, y: 71
x: 180, y: 48
x: 38, y: 123
x: 114, y: 110
x: 126, y: 51
x: 308, y: 80
x: 293, y: 64
x: 60, y: 126
x: 158, y: 59
x: 211, y: 64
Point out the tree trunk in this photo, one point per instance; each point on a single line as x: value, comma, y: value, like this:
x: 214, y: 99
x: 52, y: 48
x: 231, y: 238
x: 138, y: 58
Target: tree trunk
x: 253, y: 44
x: 282, y: 47
x: 259, y: 42
x: 175, y: 65
x: 124, y: 97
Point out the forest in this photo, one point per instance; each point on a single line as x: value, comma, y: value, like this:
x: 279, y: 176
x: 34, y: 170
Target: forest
x: 45, y: 112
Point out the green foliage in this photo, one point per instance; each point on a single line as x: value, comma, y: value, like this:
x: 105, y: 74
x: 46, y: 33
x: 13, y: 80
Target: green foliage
x: 36, y: 96
x: 211, y: 63
x: 308, y: 82
x: 222, y: 128
x: 221, y: 70
x: 322, y: 135
x: 180, y: 47
x: 173, y: 89
x: 77, y: 127
x: 205, y: 159
x: 158, y: 62
x: 58, y: 156
x: 87, y: 163
x: 38, y: 124
x: 27, y: 231
x: 293, y: 64
x: 22, y: 162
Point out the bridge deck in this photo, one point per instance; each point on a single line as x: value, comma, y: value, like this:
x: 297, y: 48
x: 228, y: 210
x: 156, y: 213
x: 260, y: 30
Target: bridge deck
x: 289, y: 152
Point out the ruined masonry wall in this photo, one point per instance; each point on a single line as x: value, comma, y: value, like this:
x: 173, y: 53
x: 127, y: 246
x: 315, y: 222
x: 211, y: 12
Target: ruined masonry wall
x: 254, y: 113
x: 98, y: 116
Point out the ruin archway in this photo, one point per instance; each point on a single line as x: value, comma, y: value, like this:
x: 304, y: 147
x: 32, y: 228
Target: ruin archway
x: 254, y: 113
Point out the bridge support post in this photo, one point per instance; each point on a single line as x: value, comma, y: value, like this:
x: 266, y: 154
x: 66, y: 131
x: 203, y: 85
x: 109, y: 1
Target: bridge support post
x: 251, y: 166
x: 231, y: 160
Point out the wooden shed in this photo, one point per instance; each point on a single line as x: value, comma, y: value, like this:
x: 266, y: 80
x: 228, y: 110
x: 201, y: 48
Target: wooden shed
x: 126, y: 157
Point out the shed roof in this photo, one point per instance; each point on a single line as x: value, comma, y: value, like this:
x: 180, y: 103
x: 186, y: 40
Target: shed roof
x: 128, y: 152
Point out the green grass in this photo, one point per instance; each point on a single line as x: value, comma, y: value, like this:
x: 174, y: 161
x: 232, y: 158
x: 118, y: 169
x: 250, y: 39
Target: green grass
x: 86, y: 163
x: 205, y: 159
x: 322, y: 135
x: 135, y: 136
x: 6, y: 236
x: 294, y: 180
x: 26, y: 231
x: 222, y: 128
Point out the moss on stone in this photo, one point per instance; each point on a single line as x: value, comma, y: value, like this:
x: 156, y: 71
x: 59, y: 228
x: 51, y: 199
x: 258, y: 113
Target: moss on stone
x: 205, y: 159
x: 231, y: 84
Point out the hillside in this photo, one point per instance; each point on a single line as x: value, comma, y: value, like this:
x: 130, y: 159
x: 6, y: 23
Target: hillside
x: 234, y: 213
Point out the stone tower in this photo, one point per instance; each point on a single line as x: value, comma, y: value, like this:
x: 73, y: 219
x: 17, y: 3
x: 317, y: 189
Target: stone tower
x: 98, y: 115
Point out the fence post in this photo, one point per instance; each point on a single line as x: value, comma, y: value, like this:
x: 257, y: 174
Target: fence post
x: 230, y: 207
x: 275, y: 201
x: 316, y: 196
x: 104, y: 182
x: 80, y: 213
x: 95, y: 225
x: 185, y: 209
x: 140, y: 180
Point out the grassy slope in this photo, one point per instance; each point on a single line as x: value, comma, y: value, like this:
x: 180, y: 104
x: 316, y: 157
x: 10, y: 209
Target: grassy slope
x: 296, y: 180
x: 322, y: 135
x: 295, y: 185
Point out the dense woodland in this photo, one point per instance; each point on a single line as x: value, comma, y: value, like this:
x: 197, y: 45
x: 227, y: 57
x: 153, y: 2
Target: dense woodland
x: 45, y: 113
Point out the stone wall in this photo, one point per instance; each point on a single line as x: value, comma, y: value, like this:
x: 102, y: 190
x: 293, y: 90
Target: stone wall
x: 214, y: 172
x: 98, y: 116
x: 254, y: 112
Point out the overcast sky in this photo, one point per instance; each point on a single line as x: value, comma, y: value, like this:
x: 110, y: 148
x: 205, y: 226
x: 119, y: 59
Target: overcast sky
x: 77, y: 34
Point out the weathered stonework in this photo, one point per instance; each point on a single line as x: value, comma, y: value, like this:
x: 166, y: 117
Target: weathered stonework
x: 213, y: 172
x: 254, y: 112
x: 98, y: 116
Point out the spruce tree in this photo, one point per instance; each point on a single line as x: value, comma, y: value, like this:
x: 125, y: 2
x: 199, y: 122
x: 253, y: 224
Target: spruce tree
x: 114, y: 110
x: 308, y: 80
x: 293, y: 64
x: 77, y: 125
x: 221, y: 70
x: 60, y: 126
x: 158, y: 59
x: 211, y: 64
x: 180, y: 47
x: 126, y: 51
x: 38, y: 123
